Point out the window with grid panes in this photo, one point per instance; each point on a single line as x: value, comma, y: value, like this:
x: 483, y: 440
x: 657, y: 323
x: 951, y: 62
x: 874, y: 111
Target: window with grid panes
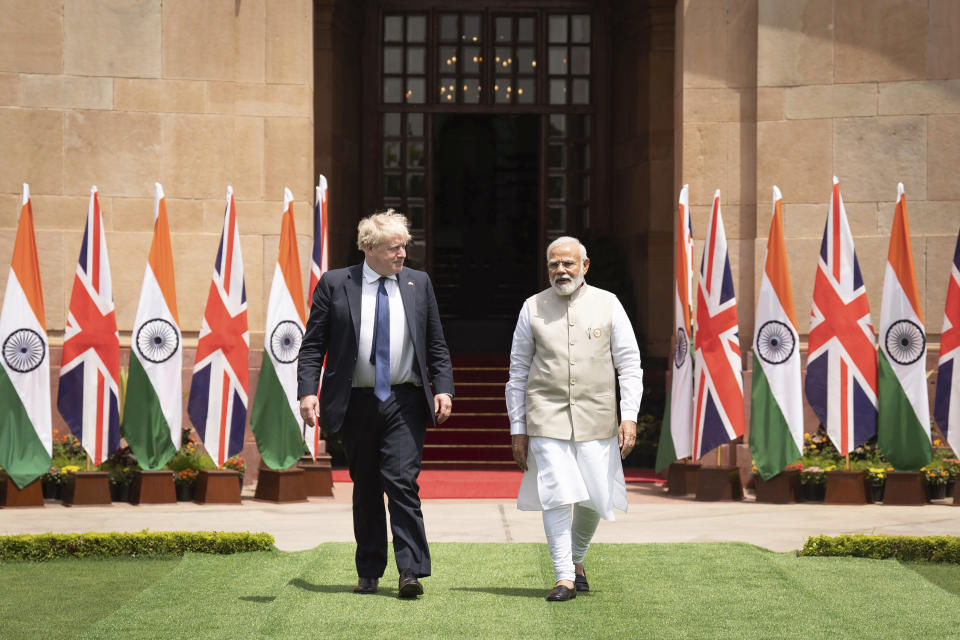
x: 568, y: 55
x: 404, y: 58
x: 471, y: 49
x: 515, y: 60
x: 568, y: 171
x: 460, y: 58
x: 404, y: 174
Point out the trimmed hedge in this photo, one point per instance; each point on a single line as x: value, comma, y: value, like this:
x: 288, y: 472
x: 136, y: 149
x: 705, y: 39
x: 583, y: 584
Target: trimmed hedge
x: 46, y: 546
x: 906, y: 548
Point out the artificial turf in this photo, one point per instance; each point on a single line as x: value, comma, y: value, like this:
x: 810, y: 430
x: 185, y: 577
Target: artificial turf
x: 485, y: 591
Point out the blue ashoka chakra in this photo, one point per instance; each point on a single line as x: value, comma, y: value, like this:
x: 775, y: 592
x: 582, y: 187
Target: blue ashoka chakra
x: 285, y: 341
x: 905, y: 341
x: 23, y: 350
x: 775, y: 342
x: 680, y: 354
x: 157, y: 340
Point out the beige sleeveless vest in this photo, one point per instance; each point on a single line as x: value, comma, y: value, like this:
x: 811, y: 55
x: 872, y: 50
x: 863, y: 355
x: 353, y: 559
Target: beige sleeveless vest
x: 571, y: 386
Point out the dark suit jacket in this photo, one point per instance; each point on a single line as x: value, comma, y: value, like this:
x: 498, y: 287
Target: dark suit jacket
x: 333, y: 330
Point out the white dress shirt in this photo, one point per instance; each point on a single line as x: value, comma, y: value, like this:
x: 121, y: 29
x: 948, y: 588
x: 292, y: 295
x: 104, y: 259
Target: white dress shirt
x: 626, y: 360
x: 401, y: 343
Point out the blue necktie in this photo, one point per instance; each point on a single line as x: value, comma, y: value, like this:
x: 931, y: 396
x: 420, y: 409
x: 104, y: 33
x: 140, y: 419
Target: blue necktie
x: 380, y: 350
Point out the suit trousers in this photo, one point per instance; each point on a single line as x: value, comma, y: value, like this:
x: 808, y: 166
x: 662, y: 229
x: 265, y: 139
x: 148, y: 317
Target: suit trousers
x: 384, y: 442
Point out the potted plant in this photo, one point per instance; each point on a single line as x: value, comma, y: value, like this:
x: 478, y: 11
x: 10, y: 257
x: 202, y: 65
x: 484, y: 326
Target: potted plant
x: 184, y: 481
x: 66, y: 470
x: 936, y: 477
x: 120, y: 480
x: 813, y: 480
x: 186, y: 464
x: 952, y: 465
x: 878, y: 479
x: 50, y: 484
x: 236, y: 463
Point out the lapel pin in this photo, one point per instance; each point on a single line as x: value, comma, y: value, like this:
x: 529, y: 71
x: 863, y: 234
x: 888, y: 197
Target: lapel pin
x: 410, y: 282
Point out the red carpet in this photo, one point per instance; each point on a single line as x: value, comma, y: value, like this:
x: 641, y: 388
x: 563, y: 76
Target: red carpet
x: 485, y: 483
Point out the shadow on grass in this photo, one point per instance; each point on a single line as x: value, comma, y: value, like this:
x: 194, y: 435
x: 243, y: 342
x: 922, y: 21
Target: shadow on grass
x: 514, y: 592
x: 320, y: 588
x: 944, y: 575
x: 260, y: 599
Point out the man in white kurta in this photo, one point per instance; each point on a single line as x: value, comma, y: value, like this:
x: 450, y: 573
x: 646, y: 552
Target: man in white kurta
x: 571, y: 344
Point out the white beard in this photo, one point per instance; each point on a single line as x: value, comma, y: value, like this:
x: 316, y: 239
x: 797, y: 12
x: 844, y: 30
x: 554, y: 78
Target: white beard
x: 568, y: 286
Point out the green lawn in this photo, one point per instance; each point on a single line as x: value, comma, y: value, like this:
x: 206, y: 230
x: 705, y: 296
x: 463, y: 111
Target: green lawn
x: 485, y: 591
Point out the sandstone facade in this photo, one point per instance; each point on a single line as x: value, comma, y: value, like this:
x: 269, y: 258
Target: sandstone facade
x: 736, y: 95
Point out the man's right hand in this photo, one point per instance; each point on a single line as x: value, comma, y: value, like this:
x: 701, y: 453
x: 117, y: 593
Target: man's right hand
x: 310, y: 409
x: 520, y: 444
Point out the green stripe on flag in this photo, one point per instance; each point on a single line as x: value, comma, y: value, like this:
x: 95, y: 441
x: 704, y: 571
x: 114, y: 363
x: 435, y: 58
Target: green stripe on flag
x: 900, y: 436
x: 22, y: 454
x: 666, y: 453
x: 771, y: 442
x: 274, y: 426
x: 144, y: 425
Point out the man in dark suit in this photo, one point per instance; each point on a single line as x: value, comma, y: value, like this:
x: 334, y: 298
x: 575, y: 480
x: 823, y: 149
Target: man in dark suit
x: 378, y: 326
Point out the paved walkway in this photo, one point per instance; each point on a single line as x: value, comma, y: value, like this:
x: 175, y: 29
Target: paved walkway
x: 653, y: 517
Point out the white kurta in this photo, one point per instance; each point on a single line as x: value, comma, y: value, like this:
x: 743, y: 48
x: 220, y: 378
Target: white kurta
x: 566, y: 472
x: 588, y: 473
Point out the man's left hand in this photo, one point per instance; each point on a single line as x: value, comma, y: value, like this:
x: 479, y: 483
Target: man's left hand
x: 442, y: 406
x: 626, y: 437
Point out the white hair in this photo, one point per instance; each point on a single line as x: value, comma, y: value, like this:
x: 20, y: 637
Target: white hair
x: 567, y: 240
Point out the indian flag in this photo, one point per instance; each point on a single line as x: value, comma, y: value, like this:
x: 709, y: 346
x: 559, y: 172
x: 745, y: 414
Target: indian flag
x: 676, y: 430
x: 26, y: 431
x: 152, y: 413
x: 903, y: 420
x: 275, y: 418
x: 776, y: 417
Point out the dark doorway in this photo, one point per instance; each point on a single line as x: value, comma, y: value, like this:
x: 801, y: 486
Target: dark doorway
x: 485, y: 226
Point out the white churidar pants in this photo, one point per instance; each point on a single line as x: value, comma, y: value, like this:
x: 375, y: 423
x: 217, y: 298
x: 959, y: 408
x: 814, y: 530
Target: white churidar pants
x: 561, y: 473
x: 569, y: 543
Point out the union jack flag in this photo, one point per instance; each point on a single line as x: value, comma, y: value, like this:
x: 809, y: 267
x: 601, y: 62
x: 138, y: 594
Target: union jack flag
x: 318, y: 261
x: 718, y: 385
x: 218, y: 392
x: 946, y: 406
x: 318, y: 266
x: 841, y: 382
x: 90, y: 370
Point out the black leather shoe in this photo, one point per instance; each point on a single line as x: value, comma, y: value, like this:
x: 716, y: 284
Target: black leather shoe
x: 366, y: 585
x: 580, y: 582
x: 409, y: 587
x: 561, y: 593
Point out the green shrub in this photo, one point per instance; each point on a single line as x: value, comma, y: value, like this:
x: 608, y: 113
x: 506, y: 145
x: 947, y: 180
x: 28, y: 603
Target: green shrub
x: 46, y: 546
x: 190, y: 456
x: 906, y: 548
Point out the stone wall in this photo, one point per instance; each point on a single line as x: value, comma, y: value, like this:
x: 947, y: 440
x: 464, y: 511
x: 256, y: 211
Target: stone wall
x: 792, y: 93
x: 125, y: 93
x: 643, y: 161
